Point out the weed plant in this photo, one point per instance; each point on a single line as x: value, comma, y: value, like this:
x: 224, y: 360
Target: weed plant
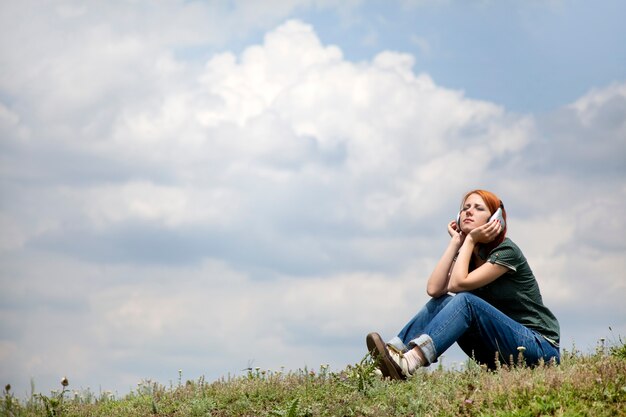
x: 582, y: 385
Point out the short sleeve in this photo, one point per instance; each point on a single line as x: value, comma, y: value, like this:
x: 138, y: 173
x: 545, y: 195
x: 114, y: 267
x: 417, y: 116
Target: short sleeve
x: 508, y: 255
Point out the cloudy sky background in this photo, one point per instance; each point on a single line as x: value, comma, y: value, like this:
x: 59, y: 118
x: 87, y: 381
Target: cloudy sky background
x: 205, y: 185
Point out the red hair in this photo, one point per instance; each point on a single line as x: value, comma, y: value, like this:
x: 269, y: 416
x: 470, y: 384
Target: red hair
x: 492, y: 202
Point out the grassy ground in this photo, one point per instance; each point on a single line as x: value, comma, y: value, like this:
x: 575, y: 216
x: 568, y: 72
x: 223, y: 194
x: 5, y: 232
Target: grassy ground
x: 583, y: 385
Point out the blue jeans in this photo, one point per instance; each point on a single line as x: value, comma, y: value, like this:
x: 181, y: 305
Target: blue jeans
x: 481, y: 330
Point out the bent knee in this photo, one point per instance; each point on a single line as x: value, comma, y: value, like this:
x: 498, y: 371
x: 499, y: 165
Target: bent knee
x: 466, y: 297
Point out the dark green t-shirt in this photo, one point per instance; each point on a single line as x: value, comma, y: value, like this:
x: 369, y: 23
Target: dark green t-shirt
x: 516, y: 293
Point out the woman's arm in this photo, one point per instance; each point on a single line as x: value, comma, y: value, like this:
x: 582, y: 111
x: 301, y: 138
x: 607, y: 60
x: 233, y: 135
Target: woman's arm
x: 460, y: 277
x: 438, y: 281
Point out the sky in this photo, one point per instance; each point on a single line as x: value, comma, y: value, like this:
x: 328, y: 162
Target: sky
x: 206, y: 186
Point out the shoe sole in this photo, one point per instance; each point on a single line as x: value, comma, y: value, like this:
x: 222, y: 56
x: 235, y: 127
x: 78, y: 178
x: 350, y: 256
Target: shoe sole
x: 378, y: 349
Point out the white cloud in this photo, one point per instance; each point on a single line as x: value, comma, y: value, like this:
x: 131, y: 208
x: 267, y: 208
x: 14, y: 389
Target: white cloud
x: 274, y: 204
x: 591, y: 106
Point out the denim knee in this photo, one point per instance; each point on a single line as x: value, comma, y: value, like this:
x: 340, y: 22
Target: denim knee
x: 467, y: 297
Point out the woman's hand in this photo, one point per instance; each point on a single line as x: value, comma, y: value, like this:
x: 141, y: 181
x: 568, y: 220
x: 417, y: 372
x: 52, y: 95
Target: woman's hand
x: 487, y: 232
x: 455, y: 233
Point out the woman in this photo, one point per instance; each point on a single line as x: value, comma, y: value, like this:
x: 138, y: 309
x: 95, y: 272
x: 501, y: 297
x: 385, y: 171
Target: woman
x: 497, y: 310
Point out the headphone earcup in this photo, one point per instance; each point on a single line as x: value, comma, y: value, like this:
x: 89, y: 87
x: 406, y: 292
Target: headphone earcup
x: 458, y: 221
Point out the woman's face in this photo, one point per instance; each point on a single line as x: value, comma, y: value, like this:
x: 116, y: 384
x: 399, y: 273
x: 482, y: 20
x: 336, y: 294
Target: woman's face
x: 474, y: 213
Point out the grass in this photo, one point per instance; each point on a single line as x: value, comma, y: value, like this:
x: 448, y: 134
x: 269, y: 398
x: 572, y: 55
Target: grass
x: 583, y: 385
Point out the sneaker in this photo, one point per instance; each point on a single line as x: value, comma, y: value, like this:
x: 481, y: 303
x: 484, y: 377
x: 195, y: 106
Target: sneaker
x: 400, y: 361
x: 388, y: 365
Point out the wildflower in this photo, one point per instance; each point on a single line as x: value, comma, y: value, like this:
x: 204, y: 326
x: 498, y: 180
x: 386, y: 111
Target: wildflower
x: 7, y: 388
x: 521, y: 349
x: 65, y: 382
